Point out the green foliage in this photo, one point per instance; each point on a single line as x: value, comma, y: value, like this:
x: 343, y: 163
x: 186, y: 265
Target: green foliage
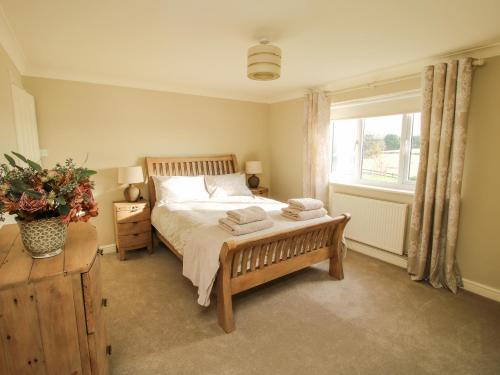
x: 392, y: 142
x: 63, y: 210
x: 19, y: 156
x: 415, y: 141
x: 35, y: 166
x: 31, y: 163
x: 10, y: 159
x: 372, y: 147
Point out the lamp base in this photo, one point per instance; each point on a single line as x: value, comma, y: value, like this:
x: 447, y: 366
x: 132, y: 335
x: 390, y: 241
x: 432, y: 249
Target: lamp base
x: 253, y: 181
x: 132, y: 193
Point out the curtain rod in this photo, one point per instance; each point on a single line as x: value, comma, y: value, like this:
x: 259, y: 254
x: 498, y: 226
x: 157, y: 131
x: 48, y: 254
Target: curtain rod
x: 373, y: 84
x: 401, y: 95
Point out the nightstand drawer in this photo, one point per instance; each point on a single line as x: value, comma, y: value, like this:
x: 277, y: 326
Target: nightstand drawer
x: 127, y: 216
x: 133, y: 227
x: 260, y: 191
x: 131, y: 206
x: 135, y: 240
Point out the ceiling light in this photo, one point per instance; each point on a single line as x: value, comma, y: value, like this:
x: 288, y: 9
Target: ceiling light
x: 264, y: 62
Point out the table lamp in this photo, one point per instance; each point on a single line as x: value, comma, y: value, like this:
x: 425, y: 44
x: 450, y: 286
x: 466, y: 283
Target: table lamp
x: 131, y: 176
x: 253, y: 168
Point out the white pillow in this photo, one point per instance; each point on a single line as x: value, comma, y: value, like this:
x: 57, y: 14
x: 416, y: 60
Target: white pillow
x: 225, y: 185
x: 179, y: 188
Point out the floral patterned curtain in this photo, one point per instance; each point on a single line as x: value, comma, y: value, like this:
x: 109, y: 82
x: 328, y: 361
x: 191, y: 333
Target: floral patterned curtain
x: 317, y: 146
x: 436, y: 206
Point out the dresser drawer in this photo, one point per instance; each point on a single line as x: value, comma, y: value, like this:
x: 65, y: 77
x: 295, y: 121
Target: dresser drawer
x: 133, y: 227
x: 132, y: 215
x: 135, y: 240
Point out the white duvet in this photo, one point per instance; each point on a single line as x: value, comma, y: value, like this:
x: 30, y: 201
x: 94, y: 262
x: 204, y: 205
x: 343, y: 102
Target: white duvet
x: 192, y: 228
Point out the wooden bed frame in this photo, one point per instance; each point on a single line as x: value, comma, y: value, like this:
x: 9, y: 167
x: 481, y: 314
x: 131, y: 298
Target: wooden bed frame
x: 267, y: 257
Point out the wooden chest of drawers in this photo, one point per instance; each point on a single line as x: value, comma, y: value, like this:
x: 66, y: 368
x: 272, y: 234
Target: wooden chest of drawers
x: 52, y: 310
x: 132, y: 226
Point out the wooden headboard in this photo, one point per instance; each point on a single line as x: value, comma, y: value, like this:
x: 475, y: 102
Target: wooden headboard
x: 188, y: 166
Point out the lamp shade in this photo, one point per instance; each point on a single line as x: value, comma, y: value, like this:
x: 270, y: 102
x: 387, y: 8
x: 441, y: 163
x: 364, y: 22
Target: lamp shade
x: 130, y: 175
x: 264, y: 62
x: 253, y: 167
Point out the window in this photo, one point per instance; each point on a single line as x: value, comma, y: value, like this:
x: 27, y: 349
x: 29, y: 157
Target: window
x: 382, y: 150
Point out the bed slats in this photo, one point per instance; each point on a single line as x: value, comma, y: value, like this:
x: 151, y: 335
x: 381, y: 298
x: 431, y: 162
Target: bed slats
x: 276, y: 250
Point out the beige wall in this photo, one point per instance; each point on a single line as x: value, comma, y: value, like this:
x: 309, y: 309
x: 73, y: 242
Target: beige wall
x: 478, y: 246
x: 478, y: 250
x: 119, y: 126
x: 286, y: 122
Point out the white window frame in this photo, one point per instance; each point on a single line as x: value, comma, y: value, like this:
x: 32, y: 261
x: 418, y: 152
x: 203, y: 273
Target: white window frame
x: 404, y: 182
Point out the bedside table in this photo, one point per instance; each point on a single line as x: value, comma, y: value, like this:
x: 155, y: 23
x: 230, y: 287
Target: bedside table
x: 132, y: 226
x: 260, y: 191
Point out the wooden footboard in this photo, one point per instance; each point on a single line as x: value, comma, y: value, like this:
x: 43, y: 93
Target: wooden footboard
x: 245, y: 265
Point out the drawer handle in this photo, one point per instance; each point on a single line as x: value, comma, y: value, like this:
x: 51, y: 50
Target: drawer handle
x: 136, y: 234
x: 109, y: 349
x: 100, y: 252
x: 133, y: 209
x: 104, y: 302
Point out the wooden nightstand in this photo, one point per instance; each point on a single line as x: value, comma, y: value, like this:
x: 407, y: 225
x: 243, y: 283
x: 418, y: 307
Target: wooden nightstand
x: 132, y: 226
x: 260, y: 191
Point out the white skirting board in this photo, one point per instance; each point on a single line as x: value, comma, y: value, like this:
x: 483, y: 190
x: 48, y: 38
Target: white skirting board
x: 401, y: 261
x: 481, y: 289
x: 108, y: 249
x: 397, y: 260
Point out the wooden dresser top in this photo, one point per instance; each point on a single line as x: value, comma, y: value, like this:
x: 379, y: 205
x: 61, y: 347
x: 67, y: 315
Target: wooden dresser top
x: 18, y: 267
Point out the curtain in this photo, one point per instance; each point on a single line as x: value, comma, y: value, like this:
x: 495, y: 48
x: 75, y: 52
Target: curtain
x: 317, y: 146
x: 446, y: 92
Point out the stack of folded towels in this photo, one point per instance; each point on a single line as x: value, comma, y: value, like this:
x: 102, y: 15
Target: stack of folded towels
x: 303, y: 209
x: 245, y: 220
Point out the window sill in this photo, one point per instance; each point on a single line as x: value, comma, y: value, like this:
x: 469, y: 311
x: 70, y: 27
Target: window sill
x: 375, y: 188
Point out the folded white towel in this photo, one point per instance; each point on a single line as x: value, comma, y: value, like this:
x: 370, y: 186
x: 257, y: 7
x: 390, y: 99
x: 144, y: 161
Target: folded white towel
x: 294, y: 214
x: 240, y: 229
x: 305, y: 204
x: 247, y: 215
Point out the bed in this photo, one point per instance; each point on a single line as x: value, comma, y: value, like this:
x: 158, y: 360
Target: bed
x: 236, y: 263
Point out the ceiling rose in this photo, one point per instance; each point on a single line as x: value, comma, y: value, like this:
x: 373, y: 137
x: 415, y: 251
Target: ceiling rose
x: 264, y: 62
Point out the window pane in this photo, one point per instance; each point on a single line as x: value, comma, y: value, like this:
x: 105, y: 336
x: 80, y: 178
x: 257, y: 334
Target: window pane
x: 415, y: 147
x: 344, y: 149
x: 381, y: 148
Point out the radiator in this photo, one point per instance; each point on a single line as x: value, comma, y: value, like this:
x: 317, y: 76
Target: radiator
x: 377, y: 223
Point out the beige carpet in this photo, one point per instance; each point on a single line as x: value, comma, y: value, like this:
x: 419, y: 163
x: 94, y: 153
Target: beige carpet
x: 376, y: 321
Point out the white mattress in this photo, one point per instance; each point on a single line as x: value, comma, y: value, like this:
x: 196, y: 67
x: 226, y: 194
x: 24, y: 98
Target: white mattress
x: 192, y: 227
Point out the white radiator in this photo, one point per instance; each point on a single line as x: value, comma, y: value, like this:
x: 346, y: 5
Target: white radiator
x: 377, y: 223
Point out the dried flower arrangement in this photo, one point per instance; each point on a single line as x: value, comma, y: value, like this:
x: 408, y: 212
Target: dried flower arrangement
x: 34, y: 193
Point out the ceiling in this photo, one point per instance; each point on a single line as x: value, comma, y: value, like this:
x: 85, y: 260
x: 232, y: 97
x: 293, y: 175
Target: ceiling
x: 199, y: 47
